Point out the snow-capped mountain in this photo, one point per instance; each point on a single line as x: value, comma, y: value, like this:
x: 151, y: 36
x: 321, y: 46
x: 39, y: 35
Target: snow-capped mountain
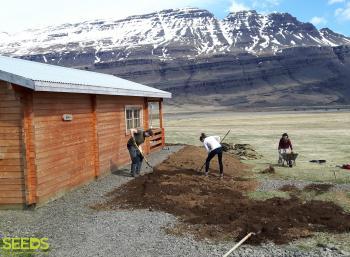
x: 170, y: 34
x: 244, y: 60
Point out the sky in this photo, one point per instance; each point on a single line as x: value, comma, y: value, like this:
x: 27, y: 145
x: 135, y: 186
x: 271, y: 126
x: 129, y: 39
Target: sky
x: 18, y: 15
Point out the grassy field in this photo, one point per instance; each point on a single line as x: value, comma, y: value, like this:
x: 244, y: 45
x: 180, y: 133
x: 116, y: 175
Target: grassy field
x: 317, y: 135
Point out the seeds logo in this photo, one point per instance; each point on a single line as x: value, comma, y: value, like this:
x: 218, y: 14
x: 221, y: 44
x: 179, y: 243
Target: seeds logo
x: 18, y: 245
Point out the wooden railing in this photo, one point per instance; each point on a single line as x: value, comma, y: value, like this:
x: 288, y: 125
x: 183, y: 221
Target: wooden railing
x: 157, y: 140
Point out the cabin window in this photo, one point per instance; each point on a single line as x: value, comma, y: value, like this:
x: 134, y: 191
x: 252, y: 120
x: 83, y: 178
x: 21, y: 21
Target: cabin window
x: 133, y: 117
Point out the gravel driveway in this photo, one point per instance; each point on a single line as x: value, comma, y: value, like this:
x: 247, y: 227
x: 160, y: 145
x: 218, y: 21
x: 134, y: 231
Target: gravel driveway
x: 75, y: 230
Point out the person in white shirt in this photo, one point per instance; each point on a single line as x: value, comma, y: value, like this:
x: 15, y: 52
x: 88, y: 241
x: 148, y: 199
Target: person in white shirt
x: 213, y: 146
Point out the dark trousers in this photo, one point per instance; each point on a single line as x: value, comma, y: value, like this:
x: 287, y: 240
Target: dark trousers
x: 217, y: 151
x: 136, y: 159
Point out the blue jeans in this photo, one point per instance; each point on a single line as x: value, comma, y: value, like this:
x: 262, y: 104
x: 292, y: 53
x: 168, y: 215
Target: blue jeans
x: 136, y: 160
x: 217, y: 151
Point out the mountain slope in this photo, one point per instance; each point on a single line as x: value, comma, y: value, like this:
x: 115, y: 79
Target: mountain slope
x: 246, y: 59
x: 174, y: 33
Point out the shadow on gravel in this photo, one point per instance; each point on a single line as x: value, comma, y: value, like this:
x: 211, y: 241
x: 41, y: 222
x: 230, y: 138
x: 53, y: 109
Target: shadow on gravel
x: 219, y: 209
x: 122, y: 173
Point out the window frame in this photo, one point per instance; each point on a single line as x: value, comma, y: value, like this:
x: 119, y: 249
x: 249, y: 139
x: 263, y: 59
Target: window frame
x: 133, y: 108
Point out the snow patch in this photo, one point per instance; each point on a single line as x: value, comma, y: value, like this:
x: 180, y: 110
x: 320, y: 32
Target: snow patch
x: 203, y: 33
x: 263, y: 34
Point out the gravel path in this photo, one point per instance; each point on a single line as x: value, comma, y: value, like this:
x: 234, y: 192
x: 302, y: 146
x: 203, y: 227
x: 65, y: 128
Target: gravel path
x: 75, y: 230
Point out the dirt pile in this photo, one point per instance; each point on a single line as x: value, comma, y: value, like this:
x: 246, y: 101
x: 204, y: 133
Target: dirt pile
x: 219, y: 209
x: 268, y: 170
x: 192, y: 158
x: 318, y: 188
x: 290, y: 189
x: 243, y: 151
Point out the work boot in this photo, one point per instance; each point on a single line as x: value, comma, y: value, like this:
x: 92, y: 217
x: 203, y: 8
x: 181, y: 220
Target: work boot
x: 134, y: 173
x: 133, y: 170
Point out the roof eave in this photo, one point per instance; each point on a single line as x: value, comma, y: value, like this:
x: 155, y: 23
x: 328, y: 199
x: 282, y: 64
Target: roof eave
x: 17, y: 80
x: 45, y: 86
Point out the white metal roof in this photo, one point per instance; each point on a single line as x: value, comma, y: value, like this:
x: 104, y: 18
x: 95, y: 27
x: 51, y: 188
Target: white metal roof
x: 51, y: 78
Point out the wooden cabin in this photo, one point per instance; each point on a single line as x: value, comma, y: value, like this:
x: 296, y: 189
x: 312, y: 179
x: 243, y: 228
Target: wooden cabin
x: 61, y: 128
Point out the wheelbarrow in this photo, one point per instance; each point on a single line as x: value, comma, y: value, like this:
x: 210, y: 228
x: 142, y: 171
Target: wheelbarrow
x: 289, y: 159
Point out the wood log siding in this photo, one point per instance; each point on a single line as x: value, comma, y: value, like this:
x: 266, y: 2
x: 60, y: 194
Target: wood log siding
x: 65, y: 149
x: 30, y: 175
x: 42, y: 156
x: 111, y: 130
x: 12, y: 190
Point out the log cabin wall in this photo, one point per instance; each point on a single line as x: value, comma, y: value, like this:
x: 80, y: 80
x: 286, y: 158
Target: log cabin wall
x: 71, y: 153
x: 111, y: 130
x: 64, y: 149
x: 52, y: 142
x: 43, y: 156
x: 12, y: 187
x: 28, y: 141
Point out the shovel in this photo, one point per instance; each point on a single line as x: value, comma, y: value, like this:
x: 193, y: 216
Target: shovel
x: 147, y: 162
x: 239, y: 244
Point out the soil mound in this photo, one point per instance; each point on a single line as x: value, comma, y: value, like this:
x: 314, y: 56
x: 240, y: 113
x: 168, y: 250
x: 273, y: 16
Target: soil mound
x: 192, y: 158
x: 290, y: 188
x: 268, y: 170
x: 219, y: 209
x: 243, y: 151
x: 318, y: 188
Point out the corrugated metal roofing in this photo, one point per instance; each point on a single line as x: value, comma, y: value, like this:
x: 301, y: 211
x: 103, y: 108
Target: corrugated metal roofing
x: 51, y: 78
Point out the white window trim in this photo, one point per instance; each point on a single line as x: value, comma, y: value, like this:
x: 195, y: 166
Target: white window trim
x: 133, y: 107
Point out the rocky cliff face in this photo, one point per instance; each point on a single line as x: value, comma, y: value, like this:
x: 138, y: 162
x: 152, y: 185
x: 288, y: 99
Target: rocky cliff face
x: 246, y: 59
x: 297, y: 76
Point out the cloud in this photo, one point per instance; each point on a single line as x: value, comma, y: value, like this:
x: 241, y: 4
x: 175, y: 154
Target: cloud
x: 238, y: 6
x: 318, y: 20
x: 56, y: 12
x: 265, y: 6
x: 343, y: 13
x: 335, y: 1
x: 266, y: 3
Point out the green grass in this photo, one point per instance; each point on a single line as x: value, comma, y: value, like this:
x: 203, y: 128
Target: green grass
x: 340, y: 198
x: 339, y: 241
x: 304, y: 171
x: 314, y: 136
x: 264, y: 195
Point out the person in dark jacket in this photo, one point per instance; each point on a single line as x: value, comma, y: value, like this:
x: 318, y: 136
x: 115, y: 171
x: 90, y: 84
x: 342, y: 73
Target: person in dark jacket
x: 284, y: 146
x: 134, y: 146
